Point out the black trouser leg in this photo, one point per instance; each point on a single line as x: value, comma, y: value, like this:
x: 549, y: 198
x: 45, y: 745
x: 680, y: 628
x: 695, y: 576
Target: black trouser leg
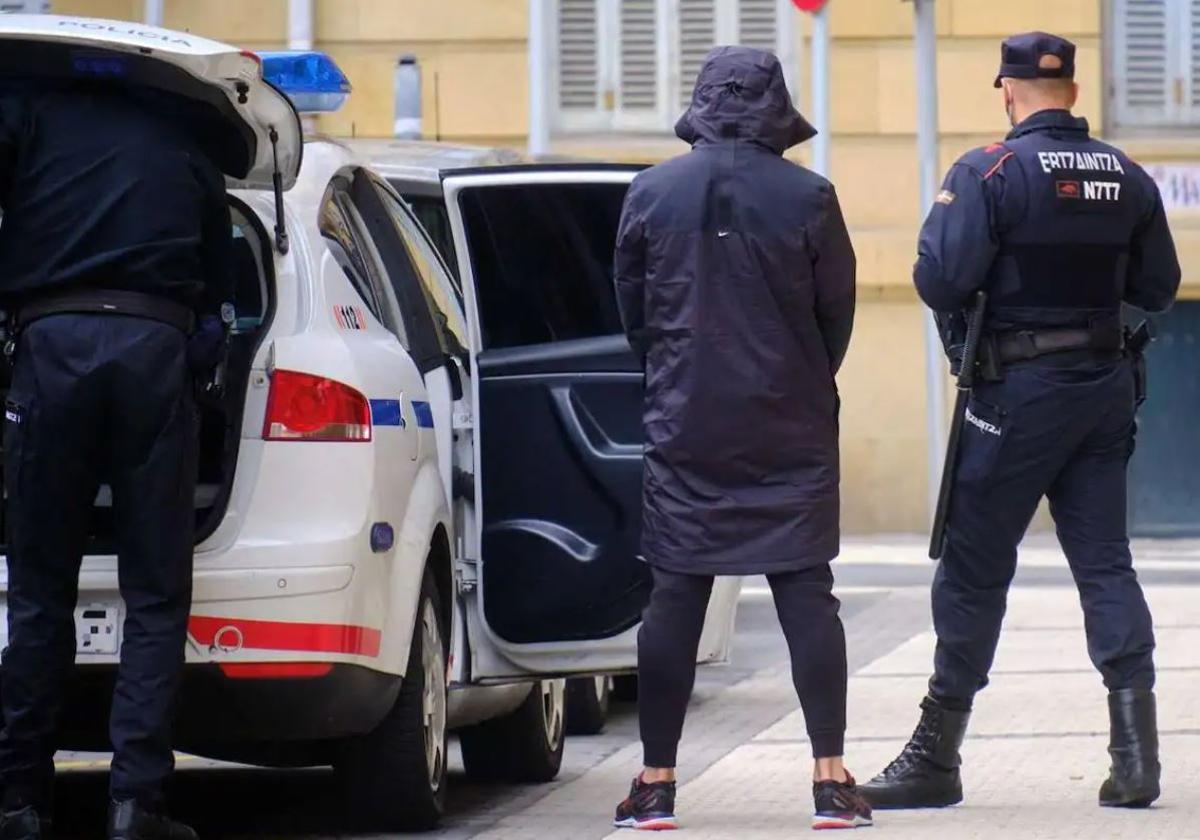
x: 670, y: 637
x: 808, y: 612
x: 51, y: 442
x: 1088, y: 502
x: 667, y: 645
x: 1002, y: 476
x: 154, y: 466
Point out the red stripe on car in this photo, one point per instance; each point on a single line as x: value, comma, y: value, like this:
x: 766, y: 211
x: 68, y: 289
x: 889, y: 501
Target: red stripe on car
x: 240, y: 633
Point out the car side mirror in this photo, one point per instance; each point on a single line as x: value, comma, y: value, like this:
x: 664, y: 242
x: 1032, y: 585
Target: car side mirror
x: 455, y: 373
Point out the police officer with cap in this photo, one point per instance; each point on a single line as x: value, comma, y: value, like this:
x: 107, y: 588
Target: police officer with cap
x: 1059, y: 230
x: 115, y: 258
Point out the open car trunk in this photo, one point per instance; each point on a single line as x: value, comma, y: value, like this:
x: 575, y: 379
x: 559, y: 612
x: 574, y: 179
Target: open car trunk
x: 220, y: 421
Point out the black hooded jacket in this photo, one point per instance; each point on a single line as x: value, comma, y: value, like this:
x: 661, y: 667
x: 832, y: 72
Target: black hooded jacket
x: 735, y: 278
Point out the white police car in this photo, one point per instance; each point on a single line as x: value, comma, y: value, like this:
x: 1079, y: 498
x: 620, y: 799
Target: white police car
x: 418, y: 501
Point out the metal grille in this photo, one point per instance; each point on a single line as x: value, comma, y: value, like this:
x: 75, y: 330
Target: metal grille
x: 697, y: 35
x: 1145, y: 62
x: 758, y: 25
x: 639, y: 54
x: 577, y: 54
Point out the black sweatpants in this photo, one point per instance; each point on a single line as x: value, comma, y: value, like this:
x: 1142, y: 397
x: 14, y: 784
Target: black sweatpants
x: 97, y: 398
x: 670, y: 638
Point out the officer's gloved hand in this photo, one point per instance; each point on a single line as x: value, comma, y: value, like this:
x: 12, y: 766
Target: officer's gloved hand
x: 206, y: 346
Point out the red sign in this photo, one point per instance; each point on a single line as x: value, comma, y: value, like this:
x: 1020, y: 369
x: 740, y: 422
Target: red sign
x: 809, y: 5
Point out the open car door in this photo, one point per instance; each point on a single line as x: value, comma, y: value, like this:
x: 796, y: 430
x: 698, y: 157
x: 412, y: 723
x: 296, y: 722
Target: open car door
x: 559, y: 584
x: 250, y: 128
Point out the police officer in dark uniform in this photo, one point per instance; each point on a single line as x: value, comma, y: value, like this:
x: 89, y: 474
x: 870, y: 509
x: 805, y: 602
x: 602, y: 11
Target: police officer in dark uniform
x: 114, y: 261
x: 1059, y: 230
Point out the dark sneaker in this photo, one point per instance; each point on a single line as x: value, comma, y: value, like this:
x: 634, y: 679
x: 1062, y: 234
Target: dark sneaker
x: 650, y: 807
x: 839, y: 805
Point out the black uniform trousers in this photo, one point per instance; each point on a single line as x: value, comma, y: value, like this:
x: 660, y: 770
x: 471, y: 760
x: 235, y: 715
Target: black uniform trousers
x: 97, y: 398
x: 1059, y: 430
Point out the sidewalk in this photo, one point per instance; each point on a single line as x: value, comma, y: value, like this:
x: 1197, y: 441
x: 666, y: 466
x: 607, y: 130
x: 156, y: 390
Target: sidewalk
x: 1035, y: 754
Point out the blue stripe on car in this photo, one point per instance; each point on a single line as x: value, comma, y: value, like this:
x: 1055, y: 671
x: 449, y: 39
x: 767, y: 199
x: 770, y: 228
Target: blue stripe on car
x: 424, y: 414
x: 387, y: 413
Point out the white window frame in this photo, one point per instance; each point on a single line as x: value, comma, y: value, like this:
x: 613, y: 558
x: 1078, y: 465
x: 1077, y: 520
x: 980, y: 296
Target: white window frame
x: 1181, y: 112
x: 608, y: 70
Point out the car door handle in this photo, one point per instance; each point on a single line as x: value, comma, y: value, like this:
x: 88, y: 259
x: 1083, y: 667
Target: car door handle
x: 585, y: 432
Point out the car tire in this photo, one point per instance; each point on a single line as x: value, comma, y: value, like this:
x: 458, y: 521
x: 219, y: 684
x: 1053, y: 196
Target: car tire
x: 394, y: 777
x: 625, y: 688
x: 526, y: 745
x: 587, y: 704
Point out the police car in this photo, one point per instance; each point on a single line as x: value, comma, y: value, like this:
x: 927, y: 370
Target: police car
x: 419, y: 495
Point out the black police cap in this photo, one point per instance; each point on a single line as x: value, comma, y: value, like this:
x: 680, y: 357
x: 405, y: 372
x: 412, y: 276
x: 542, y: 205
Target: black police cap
x: 1020, y: 56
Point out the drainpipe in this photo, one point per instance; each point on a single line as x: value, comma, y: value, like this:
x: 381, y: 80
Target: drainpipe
x: 927, y: 152
x: 153, y: 14
x: 300, y: 24
x: 820, y: 90
x: 539, y: 78
x: 300, y: 37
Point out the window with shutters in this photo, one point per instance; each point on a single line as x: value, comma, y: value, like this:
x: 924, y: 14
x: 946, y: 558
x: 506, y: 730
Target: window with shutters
x: 1154, y: 66
x: 630, y: 65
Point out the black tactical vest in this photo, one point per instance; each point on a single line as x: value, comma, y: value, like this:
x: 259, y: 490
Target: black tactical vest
x: 1065, y: 220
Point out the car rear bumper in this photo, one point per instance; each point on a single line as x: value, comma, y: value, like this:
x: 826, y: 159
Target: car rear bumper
x: 254, y: 720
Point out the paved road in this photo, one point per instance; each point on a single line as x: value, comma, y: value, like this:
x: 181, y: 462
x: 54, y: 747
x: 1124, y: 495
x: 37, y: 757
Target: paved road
x: 231, y: 802
x: 885, y: 606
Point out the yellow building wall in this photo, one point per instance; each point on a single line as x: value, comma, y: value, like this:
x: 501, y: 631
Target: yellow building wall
x: 472, y: 56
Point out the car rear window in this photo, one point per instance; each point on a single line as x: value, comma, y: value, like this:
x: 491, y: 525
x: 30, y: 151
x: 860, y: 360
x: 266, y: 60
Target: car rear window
x: 431, y: 213
x: 542, y: 255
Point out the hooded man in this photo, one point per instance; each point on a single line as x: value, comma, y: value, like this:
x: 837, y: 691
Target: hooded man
x: 735, y: 279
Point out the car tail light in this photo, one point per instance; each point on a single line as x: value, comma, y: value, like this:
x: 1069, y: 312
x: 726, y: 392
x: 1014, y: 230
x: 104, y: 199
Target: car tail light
x: 275, y: 670
x: 306, y: 407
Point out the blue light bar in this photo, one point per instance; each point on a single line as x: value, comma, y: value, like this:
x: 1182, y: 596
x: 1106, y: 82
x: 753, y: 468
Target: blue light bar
x: 98, y: 64
x: 312, y: 80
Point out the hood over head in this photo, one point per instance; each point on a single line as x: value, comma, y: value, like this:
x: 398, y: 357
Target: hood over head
x: 741, y: 93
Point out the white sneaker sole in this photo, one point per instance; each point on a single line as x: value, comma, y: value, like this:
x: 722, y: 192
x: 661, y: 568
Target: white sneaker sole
x: 656, y: 824
x: 820, y: 823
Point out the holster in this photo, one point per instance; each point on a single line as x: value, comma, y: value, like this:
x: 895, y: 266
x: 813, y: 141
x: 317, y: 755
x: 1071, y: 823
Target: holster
x: 1136, y: 341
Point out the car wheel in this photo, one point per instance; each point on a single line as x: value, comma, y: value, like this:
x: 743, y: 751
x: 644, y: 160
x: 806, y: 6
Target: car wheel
x: 394, y: 778
x: 625, y: 688
x: 523, y: 746
x: 587, y: 704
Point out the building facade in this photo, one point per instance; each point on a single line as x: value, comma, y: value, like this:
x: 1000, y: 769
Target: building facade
x: 621, y: 75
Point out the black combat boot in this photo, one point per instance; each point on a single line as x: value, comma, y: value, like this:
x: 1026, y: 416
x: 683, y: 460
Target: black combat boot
x: 129, y: 820
x: 1133, y: 744
x: 925, y: 774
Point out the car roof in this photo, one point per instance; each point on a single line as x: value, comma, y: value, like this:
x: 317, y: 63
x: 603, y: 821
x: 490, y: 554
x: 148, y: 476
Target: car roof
x: 423, y: 162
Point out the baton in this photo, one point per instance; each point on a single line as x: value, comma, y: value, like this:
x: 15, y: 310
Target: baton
x: 966, y: 381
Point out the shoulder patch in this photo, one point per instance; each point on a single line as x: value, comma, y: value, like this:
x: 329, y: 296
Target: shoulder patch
x: 945, y: 197
x: 987, y: 160
x: 997, y: 166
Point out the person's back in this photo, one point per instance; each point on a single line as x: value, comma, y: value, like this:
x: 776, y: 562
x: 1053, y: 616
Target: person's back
x: 1077, y: 232
x: 115, y: 241
x: 111, y: 193
x: 730, y: 227
x: 746, y: 311
x: 735, y: 278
